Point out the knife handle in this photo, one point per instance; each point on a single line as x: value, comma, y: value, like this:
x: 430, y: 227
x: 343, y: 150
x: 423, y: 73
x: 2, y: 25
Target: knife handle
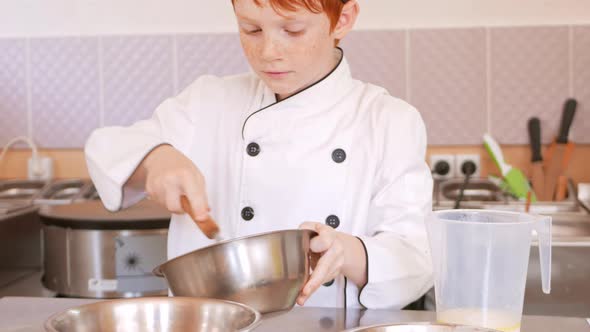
x: 567, y: 118
x: 535, y: 138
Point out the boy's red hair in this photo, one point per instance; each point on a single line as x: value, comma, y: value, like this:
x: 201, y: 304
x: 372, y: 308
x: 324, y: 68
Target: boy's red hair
x: 332, y: 8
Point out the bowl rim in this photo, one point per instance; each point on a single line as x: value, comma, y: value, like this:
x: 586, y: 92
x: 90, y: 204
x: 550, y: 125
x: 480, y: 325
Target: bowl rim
x: 257, y: 315
x: 361, y: 328
x: 157, y: 271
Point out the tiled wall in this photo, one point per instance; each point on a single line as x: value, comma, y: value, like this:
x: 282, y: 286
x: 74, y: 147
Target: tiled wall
x: 464, y: 81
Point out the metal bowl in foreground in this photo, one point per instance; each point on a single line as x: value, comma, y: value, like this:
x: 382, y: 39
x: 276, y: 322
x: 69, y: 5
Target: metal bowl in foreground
x: 265, y: 271
x: 154, y: 314
x: 421, y: 327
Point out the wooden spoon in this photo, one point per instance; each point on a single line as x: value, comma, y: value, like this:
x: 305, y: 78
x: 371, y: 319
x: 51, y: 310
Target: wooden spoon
x: 208, y: 226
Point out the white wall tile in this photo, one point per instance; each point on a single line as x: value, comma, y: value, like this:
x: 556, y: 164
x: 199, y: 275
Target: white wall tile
x: 214, y: 54
x: 13, y: 89
x: 581, y: 72
x: 378, y: 57
x: 64, y: 90
x: 448, y: 84
x: 529, y: 77
x: 137, y: 76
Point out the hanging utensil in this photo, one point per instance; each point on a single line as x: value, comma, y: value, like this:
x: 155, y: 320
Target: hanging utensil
x: 537, y: 174
x: 554, y: 166
x: 514, y: 178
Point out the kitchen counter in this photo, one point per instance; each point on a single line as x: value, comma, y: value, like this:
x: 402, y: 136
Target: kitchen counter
x: 8, y: 212
x: 27, y: 314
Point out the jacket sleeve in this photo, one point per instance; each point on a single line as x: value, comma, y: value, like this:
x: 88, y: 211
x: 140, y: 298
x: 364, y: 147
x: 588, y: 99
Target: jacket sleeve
x: 399, y: 268
x: 113, y: 153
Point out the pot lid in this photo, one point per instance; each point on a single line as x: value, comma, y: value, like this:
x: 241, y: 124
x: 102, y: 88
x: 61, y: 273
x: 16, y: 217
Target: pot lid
x: 93, y: 215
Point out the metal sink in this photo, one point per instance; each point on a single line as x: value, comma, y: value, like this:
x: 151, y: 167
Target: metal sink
x: 90, y: 193
x: 63, y: 191
x: 21, y: 189
x: 44, y: 192
x: 577, y: 230
x: 570, y: 294
x: 479, y: 190
x: 484, y: 194
x: 571, y: 222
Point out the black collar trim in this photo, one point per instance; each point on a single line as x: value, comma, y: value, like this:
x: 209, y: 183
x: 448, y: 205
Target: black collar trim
x: 314, y: 84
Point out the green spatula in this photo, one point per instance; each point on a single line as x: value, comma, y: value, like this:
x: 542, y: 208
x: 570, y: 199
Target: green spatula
x: 514, y: 178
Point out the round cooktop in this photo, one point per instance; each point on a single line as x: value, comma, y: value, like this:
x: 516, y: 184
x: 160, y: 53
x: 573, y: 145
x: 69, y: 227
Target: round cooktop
x: 93, y: 215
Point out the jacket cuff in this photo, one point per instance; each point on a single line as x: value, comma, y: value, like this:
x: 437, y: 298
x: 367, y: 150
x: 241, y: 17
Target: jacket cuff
x: 112, y: 190
x: 366, y: 272
x: 395, y: 275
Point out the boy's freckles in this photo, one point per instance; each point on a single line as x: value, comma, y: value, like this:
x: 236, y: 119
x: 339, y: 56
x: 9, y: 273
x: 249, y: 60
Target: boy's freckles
x: 286, y: 62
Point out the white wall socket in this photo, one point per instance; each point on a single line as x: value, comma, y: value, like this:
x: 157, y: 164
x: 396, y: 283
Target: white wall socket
x: 45, y: 171
x: 450, y: 159
x: 461, y: 158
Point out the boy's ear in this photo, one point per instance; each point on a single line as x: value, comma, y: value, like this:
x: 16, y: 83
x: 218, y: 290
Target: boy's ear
x: 347, y: 19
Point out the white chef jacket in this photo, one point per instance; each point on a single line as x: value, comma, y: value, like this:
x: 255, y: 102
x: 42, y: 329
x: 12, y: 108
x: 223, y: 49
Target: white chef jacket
x: 340, y: 152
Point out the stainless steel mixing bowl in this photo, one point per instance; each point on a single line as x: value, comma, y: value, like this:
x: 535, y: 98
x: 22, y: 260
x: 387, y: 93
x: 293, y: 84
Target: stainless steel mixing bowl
x: 151, y: 314
x: 265, y: 271
x: 420, y: 327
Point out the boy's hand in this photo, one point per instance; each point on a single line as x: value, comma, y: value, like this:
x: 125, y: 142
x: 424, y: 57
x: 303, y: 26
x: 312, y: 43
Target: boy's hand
x: 169, y: 175
x: 341, y: 254
x: 328, y: 244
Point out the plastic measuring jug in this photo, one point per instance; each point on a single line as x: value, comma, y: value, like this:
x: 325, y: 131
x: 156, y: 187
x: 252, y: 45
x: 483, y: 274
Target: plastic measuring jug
x: 480, y: 260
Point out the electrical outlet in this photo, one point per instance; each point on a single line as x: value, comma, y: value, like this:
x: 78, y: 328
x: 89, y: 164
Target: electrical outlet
x: 438, y: 165
x: 461, y: 159
x: 42, y: 171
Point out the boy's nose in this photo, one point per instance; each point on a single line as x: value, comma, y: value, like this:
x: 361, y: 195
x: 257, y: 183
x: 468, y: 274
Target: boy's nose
x: 270, y: 49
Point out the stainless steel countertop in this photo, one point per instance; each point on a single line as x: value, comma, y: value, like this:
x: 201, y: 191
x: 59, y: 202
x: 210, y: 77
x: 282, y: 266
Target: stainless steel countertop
x: 20, y: 212
x: 27, y: 314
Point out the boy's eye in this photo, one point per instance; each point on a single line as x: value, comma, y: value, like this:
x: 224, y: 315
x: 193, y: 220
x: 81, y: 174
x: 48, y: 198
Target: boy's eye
x: 295, y: 32
x: 250, y: 29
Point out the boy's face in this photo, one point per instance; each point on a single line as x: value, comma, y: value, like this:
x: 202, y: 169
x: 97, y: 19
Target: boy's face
x: 288, y: 52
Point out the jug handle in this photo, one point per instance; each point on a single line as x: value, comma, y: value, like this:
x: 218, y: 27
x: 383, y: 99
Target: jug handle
x: 543, y: 228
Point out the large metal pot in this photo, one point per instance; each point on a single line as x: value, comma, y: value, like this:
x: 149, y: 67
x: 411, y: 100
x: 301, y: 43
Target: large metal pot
x: 169, y: 314
x: 91, y: 252
x: 265, y: 271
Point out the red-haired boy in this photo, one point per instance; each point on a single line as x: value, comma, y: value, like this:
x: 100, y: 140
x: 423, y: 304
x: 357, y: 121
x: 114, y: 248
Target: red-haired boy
x: 297, y: 143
